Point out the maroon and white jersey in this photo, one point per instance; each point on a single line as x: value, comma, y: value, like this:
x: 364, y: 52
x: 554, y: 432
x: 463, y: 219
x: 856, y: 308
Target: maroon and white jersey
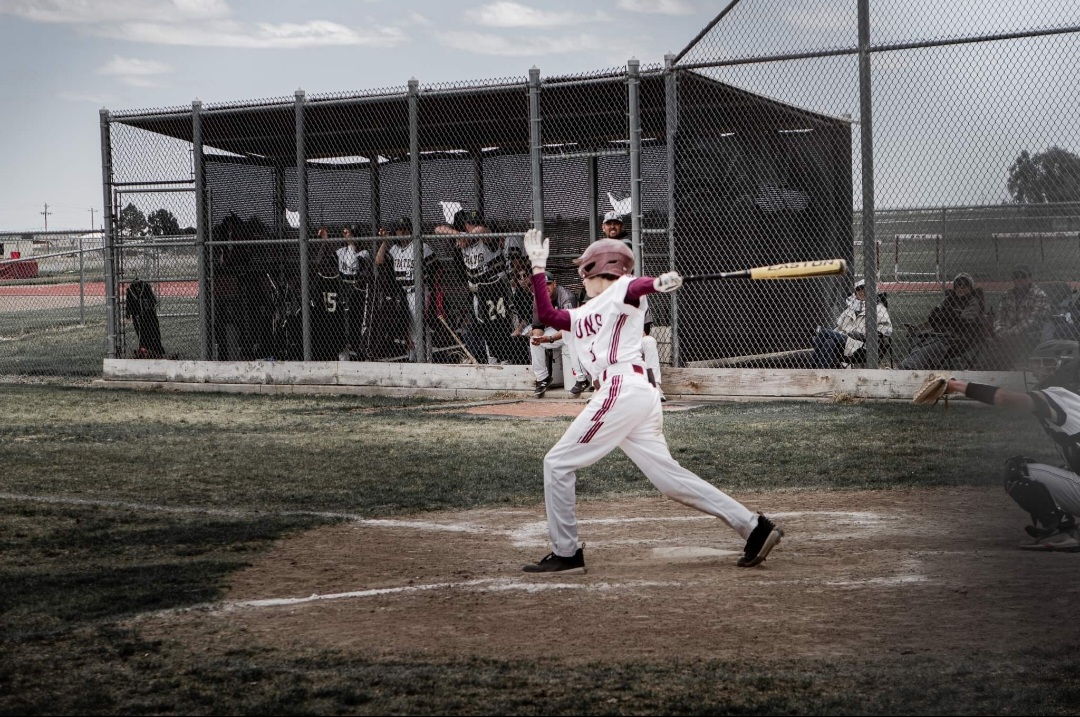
x: 607, y: 330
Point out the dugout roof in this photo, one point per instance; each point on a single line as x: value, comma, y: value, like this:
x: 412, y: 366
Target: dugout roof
x: 586, y: 114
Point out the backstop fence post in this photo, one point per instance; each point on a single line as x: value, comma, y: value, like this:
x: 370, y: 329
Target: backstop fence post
x: 302, y: 231
x: 200, y: 229
x: 633, y: 109
x: 671, y: 117
x: 112, y: 336
x: 419, y: 347
x: 536, y: 150
x: 866, y: 127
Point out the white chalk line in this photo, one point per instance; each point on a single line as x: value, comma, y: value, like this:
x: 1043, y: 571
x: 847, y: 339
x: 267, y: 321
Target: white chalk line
x: 484, y: 585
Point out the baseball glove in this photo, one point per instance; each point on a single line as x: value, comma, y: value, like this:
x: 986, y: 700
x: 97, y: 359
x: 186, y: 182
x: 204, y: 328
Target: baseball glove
x: 932, y: 390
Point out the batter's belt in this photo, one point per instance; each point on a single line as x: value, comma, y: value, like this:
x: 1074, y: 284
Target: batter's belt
x: 617, y: 369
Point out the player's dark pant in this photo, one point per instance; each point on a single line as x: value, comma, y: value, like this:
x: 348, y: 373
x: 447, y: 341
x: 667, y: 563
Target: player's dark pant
x: 353, y: 294
x: 493, y: 323
x: 388, y: 331
x: 327, y: 318
x: 1044, y: 491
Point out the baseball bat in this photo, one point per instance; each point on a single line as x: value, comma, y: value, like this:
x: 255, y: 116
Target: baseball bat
x: 792, y: 270
x: 458, y: 341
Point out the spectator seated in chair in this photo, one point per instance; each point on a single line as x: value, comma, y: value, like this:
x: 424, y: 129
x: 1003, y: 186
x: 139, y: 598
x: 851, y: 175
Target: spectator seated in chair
x: 845, y: 344
x: 1018, y: 326
x: 951, y: 329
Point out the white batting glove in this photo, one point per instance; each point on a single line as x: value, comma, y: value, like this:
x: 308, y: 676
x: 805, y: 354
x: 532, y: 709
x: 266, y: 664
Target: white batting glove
x: 668, y: 282
x: 536, y: 246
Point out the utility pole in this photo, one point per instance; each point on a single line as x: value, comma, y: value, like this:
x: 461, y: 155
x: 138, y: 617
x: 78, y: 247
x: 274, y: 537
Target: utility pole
x: 46, y: 213
x: 91, y: 219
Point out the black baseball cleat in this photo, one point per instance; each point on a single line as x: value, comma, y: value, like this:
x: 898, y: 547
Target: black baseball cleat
x: 553, y: 563
x: 762, y: 540
x: 541, y: 387
x: 579, y: 387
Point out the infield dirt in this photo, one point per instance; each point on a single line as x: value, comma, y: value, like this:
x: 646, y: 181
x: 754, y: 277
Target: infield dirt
x: 934, y: 571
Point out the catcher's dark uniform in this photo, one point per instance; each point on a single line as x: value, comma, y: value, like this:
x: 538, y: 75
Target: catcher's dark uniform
x: 1058, y: 411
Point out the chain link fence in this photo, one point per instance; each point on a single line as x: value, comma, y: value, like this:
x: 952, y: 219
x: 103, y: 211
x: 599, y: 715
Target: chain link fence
x: 962, y: 174
x: 935, y: 149
x: 52, y: 302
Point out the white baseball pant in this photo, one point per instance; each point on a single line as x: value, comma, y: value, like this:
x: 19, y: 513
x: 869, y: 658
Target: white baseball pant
x: 1063, y: 484
x: 625, y: 413
x: 539, y: 360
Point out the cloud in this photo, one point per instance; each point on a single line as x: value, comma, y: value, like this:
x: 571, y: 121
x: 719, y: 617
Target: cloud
x: 504, y: 13
x: 316, y: 33
x: 657, y: 7
x: 99, y: 100
x: 417, y: 19
x: 822, y: 16
x: 195, y: 23
x: 96, y: 12
x: 488, y: 44
x: 135, y: 72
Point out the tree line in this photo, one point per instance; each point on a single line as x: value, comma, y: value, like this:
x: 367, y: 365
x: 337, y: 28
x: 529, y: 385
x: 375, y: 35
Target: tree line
x: 160, y: 222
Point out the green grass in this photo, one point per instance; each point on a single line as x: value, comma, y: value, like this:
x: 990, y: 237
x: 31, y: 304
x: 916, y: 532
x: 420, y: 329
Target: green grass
x: 315, y: 453
x: 71, y: 572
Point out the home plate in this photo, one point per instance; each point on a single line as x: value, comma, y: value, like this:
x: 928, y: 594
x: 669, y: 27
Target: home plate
x: 691, y: 552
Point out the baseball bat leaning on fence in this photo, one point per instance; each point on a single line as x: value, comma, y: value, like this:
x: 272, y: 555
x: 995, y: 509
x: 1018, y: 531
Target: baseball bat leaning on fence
x: 793, y: 270
x: 458, y: 341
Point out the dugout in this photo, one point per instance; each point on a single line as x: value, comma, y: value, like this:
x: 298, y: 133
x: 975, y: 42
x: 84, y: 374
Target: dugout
x: 710, y: 177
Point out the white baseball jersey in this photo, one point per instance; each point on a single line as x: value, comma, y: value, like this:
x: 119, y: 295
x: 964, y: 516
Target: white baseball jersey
x: 402, y: 256
x: 606, y: 330
x: 349, y: 259
x: 483, y: 265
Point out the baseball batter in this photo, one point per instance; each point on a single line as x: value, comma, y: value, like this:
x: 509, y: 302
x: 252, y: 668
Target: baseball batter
x: 605, y: 336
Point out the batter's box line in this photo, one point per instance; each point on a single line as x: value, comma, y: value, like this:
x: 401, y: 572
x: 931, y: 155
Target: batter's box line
x: 490, y: 585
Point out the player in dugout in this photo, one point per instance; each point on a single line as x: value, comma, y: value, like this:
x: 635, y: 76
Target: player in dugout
x: 1050, y: 494
x: 605, y: 335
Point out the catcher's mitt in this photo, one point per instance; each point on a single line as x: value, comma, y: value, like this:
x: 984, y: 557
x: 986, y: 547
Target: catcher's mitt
x: 932, y: 390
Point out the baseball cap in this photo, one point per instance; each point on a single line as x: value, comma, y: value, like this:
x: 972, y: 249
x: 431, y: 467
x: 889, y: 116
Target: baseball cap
x: 613, y: 217
x: 404, y: 223
x: 549, y: 277
x: 860, y: 284
x: 1021, y: 272
x: 963, y: 278
x: 472, y: 216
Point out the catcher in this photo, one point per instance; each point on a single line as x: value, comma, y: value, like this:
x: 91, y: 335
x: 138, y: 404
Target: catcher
x: 1051, y: 494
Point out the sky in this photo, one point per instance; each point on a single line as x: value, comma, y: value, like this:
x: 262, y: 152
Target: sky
x: 63, y: 60
x: 948, y: 123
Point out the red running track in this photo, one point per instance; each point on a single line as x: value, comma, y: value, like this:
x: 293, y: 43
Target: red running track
x: 181, y: 289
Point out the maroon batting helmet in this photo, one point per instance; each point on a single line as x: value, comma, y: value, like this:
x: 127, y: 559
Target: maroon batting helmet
x: 606, y: 256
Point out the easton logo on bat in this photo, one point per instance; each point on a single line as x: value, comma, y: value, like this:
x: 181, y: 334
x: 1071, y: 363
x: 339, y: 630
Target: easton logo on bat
x: 800, y: 269
x: 799, y: 265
